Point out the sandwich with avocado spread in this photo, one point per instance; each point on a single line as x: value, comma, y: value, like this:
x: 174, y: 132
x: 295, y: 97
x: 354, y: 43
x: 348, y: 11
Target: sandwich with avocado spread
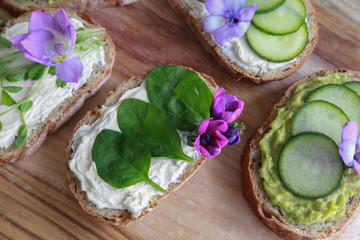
x: 300, y: 169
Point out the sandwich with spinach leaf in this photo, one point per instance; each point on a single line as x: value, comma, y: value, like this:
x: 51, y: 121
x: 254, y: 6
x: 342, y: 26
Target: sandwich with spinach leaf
x: 153, y: 132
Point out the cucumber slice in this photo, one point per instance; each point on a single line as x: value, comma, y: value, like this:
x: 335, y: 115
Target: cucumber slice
x: 310, y: 165
x: 284, y: 20
x: 264, y: 5
x: 341, y: 96
x: 355, y: 86
x: 319, y: 116
x: 277, y: 48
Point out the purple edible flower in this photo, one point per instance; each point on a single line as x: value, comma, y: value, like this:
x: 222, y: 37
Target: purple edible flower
x: 233, y: 135
x: 228, y: 19
x: 51, y: 41
x: 225, y: 107
x: 349, y: 148
x: 210, y: 140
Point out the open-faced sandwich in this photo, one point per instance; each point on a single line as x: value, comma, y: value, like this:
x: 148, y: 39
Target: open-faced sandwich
x: 153, y: 132
x: 300, y: 169
x: 17, y: 7
x: 50, y: 62
x: 259, y: 40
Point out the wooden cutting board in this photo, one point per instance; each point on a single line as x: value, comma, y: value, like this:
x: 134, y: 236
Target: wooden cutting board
x: 35, y: 202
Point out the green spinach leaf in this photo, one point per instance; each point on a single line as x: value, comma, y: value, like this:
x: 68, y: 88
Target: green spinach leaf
x: 22, y: 136
x: 181, y: 93
x: 6, y: 99
x: 120, y: 160
x: 149, y: 125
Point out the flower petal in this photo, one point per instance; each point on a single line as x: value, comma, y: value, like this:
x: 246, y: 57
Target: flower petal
x: 197, y: 143
x: 350, y: 132
x: 347, y: 151
x: 221, y: 140
x: 217, y: 108
x: 62, y: 19
x: 216, y: 7
x: 70, y: 70
x: 224, y: 34
x: 235, y: 5
x: 36, y: 45
x: 219, y: 93
x: 212, y: 152
x: 246, y: 14
x: 357, y: 167
x: 43, y: 21
x: 16, y: 41
x: 203, y: 126
x: 217, y: 125
x: 61, y: 49
x: 70, y: 35
x: 211, y: 23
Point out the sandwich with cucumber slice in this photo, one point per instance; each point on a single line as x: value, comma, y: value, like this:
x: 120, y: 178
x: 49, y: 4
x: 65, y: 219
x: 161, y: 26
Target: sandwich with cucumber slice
x: 258, y: 40
x: 293, y: 171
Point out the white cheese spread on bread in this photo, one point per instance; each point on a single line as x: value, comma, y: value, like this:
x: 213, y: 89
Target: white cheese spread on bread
x: 135, y: 198
x: 48, y: 97
x: 237, y: 49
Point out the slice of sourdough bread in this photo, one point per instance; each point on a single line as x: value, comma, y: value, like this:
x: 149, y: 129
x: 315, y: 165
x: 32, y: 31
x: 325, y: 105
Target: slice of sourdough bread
x: 120, y: 216
x: 69, y: 106
x: 254, y: 191
x: 16, y: 7
x: 241, y: 71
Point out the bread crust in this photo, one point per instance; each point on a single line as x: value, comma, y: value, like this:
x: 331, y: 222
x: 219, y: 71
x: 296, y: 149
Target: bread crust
x: 252, y: 183
x: 69, y: 106
x: 15, y: 8
x: 117, y: 216
x: 238, y: 72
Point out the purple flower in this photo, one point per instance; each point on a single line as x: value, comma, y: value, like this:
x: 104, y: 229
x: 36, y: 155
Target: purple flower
x: 227, y: 19
x: 210, y: 140
x: 225, y: 107
x: 51, y: 41
x: 232, y: 134
x: 349, y: 148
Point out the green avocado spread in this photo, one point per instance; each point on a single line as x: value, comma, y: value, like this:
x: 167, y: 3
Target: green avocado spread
x: 295, y: 209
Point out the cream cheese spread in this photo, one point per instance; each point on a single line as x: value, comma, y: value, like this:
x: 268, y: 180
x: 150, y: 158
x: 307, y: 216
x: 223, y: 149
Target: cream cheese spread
x: 135, y: 198
x: 48, y: 96
x: 237, y: 49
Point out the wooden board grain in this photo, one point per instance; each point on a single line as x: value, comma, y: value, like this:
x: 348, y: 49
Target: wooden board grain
x: 35, y: 202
